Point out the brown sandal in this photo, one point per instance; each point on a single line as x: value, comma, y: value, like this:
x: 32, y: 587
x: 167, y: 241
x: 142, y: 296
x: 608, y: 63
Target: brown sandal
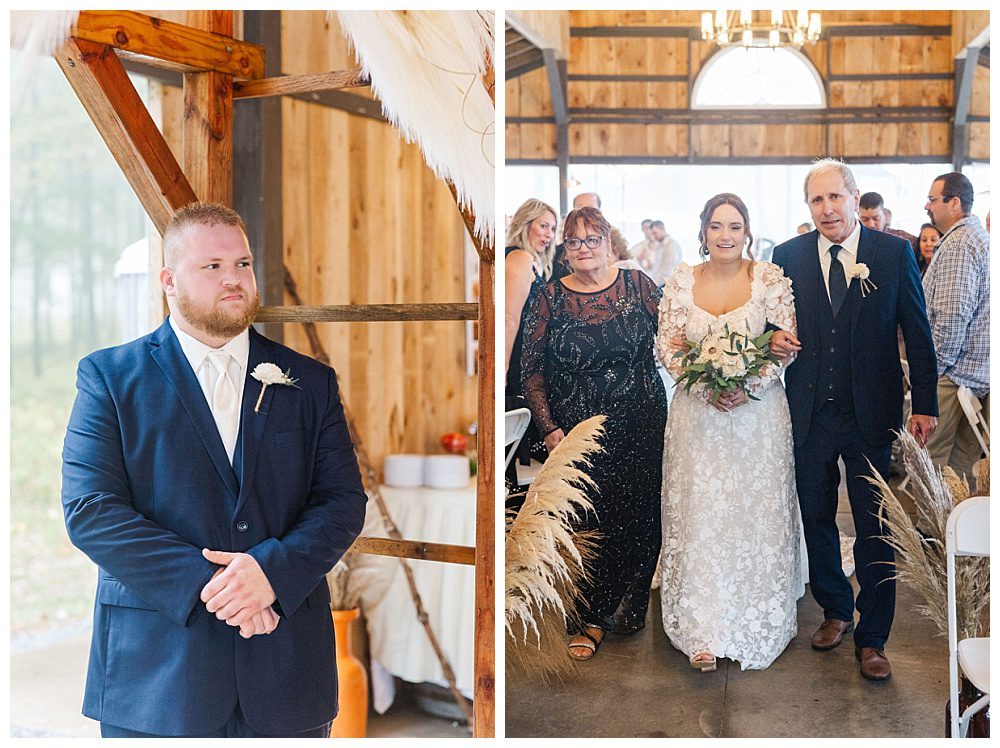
x: 589, y: 647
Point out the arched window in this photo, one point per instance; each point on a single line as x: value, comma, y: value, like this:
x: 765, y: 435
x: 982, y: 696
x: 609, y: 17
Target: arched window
x: 758, y: 77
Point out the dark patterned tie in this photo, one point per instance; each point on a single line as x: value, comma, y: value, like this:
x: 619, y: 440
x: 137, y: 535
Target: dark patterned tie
x: 838, y: 280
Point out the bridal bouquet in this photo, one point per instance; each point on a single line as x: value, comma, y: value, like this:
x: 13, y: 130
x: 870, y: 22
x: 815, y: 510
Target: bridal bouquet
x: 725, y: 361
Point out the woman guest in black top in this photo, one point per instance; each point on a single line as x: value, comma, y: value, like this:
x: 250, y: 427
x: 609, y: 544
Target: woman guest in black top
x: 527, y: 263
x: 927, y: 241
x: 588, y: 343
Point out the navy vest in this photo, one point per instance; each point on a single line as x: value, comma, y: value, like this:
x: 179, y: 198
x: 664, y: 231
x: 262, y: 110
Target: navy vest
x: 834, y: 372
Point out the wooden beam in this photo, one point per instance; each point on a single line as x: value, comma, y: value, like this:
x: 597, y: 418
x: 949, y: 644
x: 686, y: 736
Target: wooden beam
x: 415, y: 549
x: 298, y: 84
x: 484, y: 693
x: 208, y: 119
x: 443, y: 312
x: 257, y: 169
x: 172, y: 45
x: 99, y: 80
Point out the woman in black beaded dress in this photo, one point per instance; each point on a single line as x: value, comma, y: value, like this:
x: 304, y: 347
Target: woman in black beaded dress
x: 588, y: 350
x: 527, y: 262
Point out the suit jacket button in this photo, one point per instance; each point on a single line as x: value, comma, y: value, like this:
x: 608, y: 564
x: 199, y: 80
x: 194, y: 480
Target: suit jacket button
x: 242, y: 526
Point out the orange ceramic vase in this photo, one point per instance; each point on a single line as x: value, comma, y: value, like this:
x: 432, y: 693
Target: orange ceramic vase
x: 352, y: 719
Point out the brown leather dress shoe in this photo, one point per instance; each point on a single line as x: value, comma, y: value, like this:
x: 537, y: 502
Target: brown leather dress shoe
x: 874, y: 663
x: 831, y: 633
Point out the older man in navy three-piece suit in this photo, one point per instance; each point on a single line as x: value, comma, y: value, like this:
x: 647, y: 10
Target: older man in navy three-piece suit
x: 213, y: 506
x: 854, y: 288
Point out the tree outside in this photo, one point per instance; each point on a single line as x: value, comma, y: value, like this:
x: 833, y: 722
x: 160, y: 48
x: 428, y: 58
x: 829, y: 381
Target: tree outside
x: 72, y: 213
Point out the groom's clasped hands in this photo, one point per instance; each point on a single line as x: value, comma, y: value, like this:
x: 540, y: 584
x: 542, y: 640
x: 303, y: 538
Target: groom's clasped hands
x: 239, y: 593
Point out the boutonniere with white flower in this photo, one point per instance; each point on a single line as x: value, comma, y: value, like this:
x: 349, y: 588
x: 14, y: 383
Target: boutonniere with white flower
x: 270, y: 374
x: 861, y: 272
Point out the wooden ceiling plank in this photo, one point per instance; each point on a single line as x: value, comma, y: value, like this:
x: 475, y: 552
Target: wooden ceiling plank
x: 102, y: 85
x: 155, y: 41
x: 298, y: 84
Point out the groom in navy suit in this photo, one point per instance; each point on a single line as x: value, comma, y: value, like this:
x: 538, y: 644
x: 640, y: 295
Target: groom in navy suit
x: 213, y: 506
x: 854, y: 288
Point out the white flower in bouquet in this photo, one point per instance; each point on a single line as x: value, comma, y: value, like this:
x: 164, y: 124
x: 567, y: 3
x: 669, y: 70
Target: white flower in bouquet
x: 724, y: 362
x: 734, y: 367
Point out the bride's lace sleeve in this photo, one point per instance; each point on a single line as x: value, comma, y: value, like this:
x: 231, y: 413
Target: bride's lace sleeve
x: 779, y: 306
x: 649, y: 293
x: 672, y: 321
x: 533, y: 360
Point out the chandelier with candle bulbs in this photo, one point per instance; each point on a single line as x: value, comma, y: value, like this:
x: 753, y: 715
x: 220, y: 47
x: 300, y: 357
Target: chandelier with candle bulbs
x: 737, y: 27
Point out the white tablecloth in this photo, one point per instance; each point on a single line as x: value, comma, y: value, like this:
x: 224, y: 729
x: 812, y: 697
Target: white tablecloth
x: 398, y: 642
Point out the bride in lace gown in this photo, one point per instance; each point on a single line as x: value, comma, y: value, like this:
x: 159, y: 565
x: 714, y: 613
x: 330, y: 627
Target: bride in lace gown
x: 730, y: 554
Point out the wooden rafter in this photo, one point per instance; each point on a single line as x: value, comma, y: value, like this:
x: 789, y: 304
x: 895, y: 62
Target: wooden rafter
x: 99, y: 80
x: 174, y: 46
x: 286, y: 85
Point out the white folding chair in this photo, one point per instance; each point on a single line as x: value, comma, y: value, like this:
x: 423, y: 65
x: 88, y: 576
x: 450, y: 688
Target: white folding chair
x: 515, y: 423
x: 966, y: 534
x: 973, y: 412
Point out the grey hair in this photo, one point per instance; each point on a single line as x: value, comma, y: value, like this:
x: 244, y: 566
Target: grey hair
x: 824, y: 165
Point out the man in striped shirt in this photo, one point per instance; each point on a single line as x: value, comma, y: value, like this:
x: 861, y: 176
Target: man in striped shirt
x: 957, y: 289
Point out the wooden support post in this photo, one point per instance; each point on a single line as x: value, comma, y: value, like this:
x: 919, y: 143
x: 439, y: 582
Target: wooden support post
x: 257, y: 169
x: 484, y: 693
x: 208, y: 119
x: 99, y: 80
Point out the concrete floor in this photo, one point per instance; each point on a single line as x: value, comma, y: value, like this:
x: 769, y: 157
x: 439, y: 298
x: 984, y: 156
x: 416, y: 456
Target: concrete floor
x: 46, y: 680
x: 640, y: 686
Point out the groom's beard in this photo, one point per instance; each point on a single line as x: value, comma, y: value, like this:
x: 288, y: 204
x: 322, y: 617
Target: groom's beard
x: 219, y: 321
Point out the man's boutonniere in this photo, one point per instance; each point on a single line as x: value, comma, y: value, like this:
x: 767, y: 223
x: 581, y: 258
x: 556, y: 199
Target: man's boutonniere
x: 860, y: 271
x: 270, y: 374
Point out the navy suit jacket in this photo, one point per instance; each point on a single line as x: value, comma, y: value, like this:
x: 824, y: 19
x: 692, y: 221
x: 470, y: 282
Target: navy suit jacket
x: 147, y: 484
x: 876, y: 374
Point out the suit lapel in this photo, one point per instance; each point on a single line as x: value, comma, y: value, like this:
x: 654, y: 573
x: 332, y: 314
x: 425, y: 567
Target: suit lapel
x: 166, y: 351
x: 254, y: 422
x: 867, y: 250
x: 812, y: 287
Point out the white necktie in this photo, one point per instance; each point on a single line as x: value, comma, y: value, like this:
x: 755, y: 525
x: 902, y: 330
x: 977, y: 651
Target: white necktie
x: 225, y: 406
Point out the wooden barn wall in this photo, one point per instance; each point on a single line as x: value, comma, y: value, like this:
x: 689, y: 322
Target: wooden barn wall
x: 527, y: 96
x: 366, y: 222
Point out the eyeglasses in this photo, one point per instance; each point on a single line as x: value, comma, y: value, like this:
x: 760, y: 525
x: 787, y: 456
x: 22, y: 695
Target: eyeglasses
x: 592, y: 242
x: 944, y: 198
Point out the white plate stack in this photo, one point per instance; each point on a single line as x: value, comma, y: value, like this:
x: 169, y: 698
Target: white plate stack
x: 404, y: 471
x: 446, y: 471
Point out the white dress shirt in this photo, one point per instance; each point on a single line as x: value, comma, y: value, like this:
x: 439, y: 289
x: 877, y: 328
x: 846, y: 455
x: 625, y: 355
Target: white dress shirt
x: 848, y: 256
x: 197, y: 352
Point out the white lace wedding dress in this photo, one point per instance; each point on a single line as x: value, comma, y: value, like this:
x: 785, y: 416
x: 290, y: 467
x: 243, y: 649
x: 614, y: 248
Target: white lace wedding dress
x: 730, y: 557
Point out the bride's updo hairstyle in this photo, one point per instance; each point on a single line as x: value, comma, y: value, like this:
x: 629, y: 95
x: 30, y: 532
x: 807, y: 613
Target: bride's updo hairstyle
x: 726, y: 198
